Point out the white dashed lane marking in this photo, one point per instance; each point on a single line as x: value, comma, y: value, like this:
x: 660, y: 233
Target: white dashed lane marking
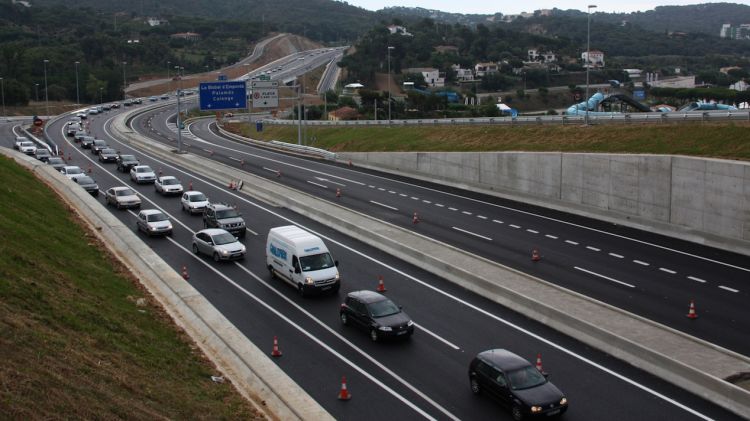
x: 439, y: 205
x: 619, y: 256
x: 571, y: 242
x: 385, y: 206
x: 472, y: 233
x: 466, y: 213
x: 453, y: 209
x: 593, y: 248
x: 641, y: 263
x: 604, y: 277
x: 497, y: 221
x: 670, y: 271
x: 550, y: 236
x: 316, y: 184
x: 481, y: 217
x: 532, y: 231
x: 514, y: 226
x: 693, y: 278
x: 728, y: 289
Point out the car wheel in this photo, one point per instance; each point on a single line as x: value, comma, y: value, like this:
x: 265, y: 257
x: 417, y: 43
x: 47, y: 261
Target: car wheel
x: 374, y: 335
x: 301, y: 290
x: 475, y: 388
x: 118, y: 205
x: 242, y: 233
x: 216, y: 257
x: 195, y: 248
x: 517, y: 413
x: 344, y: 319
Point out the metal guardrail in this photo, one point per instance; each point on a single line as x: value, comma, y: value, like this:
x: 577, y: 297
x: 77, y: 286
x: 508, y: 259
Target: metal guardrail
x: 614, y: 118
x: 307, y: 150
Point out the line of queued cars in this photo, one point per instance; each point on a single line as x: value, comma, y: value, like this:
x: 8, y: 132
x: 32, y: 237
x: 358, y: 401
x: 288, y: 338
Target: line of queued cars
x: 496, y: 373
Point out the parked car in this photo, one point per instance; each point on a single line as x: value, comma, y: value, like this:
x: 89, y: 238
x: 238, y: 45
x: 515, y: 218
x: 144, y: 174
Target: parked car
x: 122, y: 197
x: 142, y: 174
x: 219, y: 244
x: 108, y: 155
x: 168, y: 185
x: 193, y: 202
x: 515, y: 383
x: 154, y: 222
x: 42, y: 154
x: 88, y: 184
x: 219, y: 215
x: 376, y: 314
x: 56, y: 162
x: 27, y: 147
x: 87, y: 141
x: 72, y: 171
x: 126, y: 162
x: 98, y: 145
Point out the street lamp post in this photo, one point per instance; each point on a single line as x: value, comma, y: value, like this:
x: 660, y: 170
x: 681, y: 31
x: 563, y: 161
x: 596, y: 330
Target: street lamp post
x: 588, y: 58
x: 78, y: 96
x: 101, y: 95
x: 124, y: 82
x: 46, y: 92
x: 36, y: 93
x: 2, y: 88
x: 389, y: 84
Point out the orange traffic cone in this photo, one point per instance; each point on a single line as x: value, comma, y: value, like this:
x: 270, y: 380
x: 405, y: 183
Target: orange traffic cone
x: 185, y: 273
x: 160, y: 173
x: 691, y: 313
x: 381, y: 285
x: 242, y: 162
x: 69, y: 157
x: 89, y: 170
x: 278, y: 173
x: 539, y: 362
x: 350, y: 162
x: 415, y: 218
x: 535, y: 255
x: 344, y: 393
x: 338, y: 193
x: 231, y: 185
x: 275, y: 352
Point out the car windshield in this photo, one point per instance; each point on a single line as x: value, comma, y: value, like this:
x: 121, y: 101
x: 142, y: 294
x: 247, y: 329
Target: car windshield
x: 85, y: 180
x: 227, y: 213
x: 27, y: 144
x: 223, y: 238
x: 42, y: 152
x: 156, y: 217
x: 316, y: 262
x: 143, y: 169
x: 383, y: 308
x: 74, y: 170
x: 125, y: 192
x: 170, y: 181
x: 525, y: 378
x: 197, y: 198
x: 54, y: 160
x: 108, y: 151
x: 99, y: 142
x: 127, y: 157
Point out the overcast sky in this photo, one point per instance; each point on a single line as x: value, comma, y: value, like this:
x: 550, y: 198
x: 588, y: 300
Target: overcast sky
x: 514, y: 7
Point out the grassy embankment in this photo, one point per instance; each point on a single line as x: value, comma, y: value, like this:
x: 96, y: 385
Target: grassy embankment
x: 75, y: 340
x: 717, y: 140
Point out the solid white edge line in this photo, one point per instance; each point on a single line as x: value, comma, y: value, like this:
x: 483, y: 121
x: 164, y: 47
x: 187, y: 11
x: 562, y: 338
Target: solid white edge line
x: 476, y: 308
x: 728, y: 289
x: 383, y: 205
x: 472, y: 233
x: 433, y: 334
x: 604, y: 277
x: 703, y: 281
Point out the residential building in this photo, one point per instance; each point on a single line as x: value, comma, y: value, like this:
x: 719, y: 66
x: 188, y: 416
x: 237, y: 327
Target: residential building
x: 397, y: 29
x: 343, y: 113
x: 593, y: 58
x: 432, y: 76
x: 483, y: 69
x: 462, y: 75
x: 735, y: 32
x: 674, y: 82
x: 190, y: 36
x: 156, y: 21
x: 536, y: 55
x: 739, y: 86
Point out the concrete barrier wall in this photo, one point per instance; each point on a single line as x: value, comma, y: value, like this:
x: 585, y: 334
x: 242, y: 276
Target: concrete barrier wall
x: 697, y: 199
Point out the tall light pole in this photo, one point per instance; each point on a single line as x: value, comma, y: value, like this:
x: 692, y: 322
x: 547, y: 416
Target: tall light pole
x: 2, y: 88
x: 46, y: 92
x: 36, y: 91
x: 101, y: 95
x: 588, y: 58
x: 169, y: 81
x: 389, y: 84
x: 78, y: 96
x: 124, y: 83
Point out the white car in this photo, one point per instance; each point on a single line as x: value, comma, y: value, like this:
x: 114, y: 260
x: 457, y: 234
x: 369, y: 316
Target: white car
x: 194, y: 202
x: 72, y: 171
x: 168, y: 185
x: 218, y: 244
x: 153, y: 222
x: 142, y: 174
x: 122, y: 197
x: 19, y: 140
x: 27, y: 147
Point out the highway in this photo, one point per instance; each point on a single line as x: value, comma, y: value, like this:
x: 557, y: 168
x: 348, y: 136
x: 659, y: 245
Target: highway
x: 647, y: 274
x: 424, y: 377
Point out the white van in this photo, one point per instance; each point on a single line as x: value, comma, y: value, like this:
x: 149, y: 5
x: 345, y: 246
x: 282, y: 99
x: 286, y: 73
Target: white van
x: 302, y: 260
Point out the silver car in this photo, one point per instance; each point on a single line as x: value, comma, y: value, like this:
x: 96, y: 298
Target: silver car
x: 194, y: 202
x: 154, y: 222
x: 122, y: 197
x: 167, y: 185
x: 218, y: 244
x: 72, y: 171
x: 27, y: 147
x: 142, y: 174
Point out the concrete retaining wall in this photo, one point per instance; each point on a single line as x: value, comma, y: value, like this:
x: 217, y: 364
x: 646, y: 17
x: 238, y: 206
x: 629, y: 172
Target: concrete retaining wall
x: 697, y: 199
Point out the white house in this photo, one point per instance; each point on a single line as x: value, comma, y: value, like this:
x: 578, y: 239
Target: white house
x: 462, y: 74
x: 593, y: 58
x: 483, y: 69
x: 431, y: 76
x: 396, y: 29
x: 739, y: 86
x: 547, y: 57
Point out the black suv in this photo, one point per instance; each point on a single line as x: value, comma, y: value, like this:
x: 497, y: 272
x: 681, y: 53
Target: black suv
x: 126, y: 162
x: 516, y: 383
x: 375, y: 314
x: 219, y: 215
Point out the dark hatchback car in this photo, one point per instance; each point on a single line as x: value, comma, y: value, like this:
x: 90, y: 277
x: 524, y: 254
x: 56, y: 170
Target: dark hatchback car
x: 56, y: 162
x: 108, y: 155
x: 88, y: 184
x: 98, y: 146
x: 376, y: 314
x: 515, y: 383
x: 126, y: 162
x: 87, y: 141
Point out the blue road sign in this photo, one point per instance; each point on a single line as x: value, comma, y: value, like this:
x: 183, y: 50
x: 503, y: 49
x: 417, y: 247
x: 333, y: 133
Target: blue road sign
x: 222, y: 77
x: 222, y: 96
x: 639, y: 94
